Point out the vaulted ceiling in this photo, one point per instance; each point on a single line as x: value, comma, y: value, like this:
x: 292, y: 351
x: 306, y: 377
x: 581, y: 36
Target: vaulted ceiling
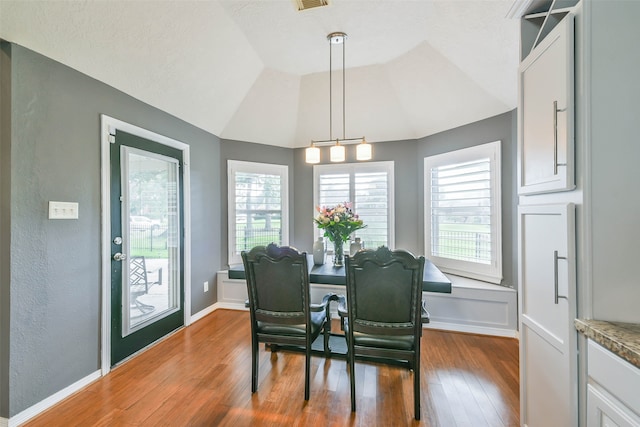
x: 257, y: 70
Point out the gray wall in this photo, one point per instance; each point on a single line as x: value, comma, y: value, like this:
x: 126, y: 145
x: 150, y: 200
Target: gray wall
x: 5, y: 223
x: 503, y: 128
x: 54, y: 266
x: 408, y: 157
x: 249, y: 152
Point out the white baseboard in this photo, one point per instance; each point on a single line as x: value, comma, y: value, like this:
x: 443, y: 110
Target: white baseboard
x: 232, y: 306
x: 471, y: 329
x: 202, y: 313
x: 47, y: 403
x: 4, y: 422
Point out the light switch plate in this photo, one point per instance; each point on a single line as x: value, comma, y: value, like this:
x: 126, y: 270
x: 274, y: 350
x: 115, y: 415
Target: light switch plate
x: 63, y: 210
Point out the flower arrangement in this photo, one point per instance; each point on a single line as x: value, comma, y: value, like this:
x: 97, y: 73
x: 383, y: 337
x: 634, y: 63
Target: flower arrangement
x: 338, y: 223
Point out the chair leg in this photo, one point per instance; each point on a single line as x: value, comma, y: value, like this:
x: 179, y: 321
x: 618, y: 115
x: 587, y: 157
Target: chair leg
x: 327, y: 334
x: 307, y: 372
x: 352, y: 377
x: 416, y: 389
x: 254, y: 364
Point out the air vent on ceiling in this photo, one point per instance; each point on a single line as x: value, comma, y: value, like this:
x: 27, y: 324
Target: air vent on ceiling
x: 309, y: 4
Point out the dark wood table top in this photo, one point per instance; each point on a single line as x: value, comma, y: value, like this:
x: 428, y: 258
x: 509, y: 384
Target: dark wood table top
x: 433, y: 279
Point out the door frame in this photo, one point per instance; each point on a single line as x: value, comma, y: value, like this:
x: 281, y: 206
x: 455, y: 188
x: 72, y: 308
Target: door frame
x: 108, y: 126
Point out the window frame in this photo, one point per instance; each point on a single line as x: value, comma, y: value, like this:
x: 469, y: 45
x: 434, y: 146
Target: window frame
x: 486, y: 272
x: 352, y: 169
x: 236, y: 166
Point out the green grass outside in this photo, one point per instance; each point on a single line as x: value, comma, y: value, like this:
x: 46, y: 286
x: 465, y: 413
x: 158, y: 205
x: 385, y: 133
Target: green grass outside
x: 462, y: 249
x: 140, y: 246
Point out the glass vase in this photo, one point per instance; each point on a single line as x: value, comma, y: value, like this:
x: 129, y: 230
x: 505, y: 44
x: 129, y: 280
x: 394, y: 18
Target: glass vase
x: 338, y: 253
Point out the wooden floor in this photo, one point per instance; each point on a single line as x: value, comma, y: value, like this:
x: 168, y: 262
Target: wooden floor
x: 201, y: 376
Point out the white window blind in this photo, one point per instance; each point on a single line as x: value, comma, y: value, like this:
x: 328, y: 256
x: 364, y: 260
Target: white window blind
x: 369, y: 187
x: 258, y: 195
x: 463, y: 211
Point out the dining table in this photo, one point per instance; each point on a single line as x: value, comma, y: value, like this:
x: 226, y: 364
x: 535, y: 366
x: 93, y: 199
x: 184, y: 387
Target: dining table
x: 433, y: 280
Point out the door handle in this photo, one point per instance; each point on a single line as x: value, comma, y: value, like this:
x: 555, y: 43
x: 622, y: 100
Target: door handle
x: 119, y: 257
x: 555, y: 277
x: 555, y: 137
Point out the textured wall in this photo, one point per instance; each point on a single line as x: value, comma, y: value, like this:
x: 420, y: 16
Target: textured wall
x: 5, y: 220
x: 55, y: 266
x: 502, y: 128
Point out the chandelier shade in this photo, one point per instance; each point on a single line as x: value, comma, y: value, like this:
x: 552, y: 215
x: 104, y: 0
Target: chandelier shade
x: 312, y: 154
x: 337, y: 153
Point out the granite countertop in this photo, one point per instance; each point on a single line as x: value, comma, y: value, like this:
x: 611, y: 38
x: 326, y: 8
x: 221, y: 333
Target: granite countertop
x: 623, y: 339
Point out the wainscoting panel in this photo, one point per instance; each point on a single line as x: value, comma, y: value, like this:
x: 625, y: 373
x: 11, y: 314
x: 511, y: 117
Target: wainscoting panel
x: 474, y: 307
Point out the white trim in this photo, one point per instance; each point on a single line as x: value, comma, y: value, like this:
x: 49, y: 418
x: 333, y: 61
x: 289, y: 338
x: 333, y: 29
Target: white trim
x: 387, y: 166
x: 204, y: 312
x: 518, y: 8
x: 585, y: 305
x: 232, y: 306
x: 474, y: 307
x: 52, y: 400
x: 108, y: 125
x: 472, y: 329
x: 489, y: 273
x: 234, y: 166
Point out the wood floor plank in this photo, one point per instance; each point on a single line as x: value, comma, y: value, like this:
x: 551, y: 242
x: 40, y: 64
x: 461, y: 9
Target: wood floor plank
x: 201, y: 376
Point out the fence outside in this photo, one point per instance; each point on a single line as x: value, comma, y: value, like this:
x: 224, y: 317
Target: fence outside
x: 463, y: 245
x: 247, y: 238
x: 146, y: 239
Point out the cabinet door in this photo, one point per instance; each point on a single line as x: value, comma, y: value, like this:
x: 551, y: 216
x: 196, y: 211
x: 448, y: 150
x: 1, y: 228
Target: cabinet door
x: 546, y: 114
x: 548, y: 348
x: 604, y: 410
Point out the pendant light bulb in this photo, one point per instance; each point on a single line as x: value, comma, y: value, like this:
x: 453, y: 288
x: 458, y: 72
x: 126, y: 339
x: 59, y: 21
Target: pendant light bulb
x: 312, y: 154
x: 337, y: 153
x: 363, y: 150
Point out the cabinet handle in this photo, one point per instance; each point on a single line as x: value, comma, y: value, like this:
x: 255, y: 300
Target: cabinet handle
x: 555, y: 277
x: 555, y: 137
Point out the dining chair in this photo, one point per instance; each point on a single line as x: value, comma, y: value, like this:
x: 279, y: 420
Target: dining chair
x: 279, y: 304
x: 384, y: 304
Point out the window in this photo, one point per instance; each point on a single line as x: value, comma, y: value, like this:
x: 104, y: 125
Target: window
x: 462, y: 212
x: 258, y: 206
x: 369, y: 187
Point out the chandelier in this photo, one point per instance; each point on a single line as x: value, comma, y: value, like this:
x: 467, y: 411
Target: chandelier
x: 337, y: 151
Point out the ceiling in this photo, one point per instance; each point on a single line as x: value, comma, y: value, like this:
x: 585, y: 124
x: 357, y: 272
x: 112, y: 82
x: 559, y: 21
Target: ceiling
x: 257, y: 70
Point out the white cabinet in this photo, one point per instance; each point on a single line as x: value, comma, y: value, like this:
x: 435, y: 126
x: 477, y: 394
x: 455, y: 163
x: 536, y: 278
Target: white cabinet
x: 546, y: 114
x: 612, y: 390
x: 547, y: 301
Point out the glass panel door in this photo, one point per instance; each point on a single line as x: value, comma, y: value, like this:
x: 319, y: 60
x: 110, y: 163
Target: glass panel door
x: 150, y: 209
x: 147, y: 289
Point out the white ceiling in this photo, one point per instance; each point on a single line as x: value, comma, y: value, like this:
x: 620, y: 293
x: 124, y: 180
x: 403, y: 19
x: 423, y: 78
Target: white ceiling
x: 257, y: 70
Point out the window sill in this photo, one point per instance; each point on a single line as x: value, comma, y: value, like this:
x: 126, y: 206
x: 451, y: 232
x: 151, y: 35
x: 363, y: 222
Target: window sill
x: 467, y: 283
